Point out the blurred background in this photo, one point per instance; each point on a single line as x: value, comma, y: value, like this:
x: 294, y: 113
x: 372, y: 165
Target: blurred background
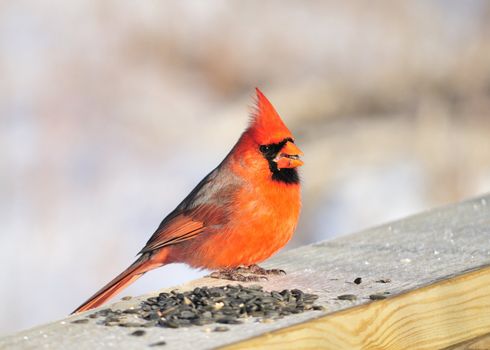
x: 111, y: 112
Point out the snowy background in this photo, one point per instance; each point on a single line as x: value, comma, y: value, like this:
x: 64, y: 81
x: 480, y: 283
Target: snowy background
x: 111, y: 112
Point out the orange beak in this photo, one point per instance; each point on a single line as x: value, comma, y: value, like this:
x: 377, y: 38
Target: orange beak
x: 288, y: 156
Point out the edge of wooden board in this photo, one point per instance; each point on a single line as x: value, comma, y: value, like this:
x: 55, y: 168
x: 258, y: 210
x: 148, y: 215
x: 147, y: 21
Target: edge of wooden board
x: 442, y: 314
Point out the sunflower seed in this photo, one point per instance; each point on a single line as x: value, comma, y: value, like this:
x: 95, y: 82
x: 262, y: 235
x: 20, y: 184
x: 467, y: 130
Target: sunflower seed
x: 205, y: 305
x: 138, y: 333
x: 377, y: 297
x: 80, y: 321
x: 221, y: 329
x: 159, y: 343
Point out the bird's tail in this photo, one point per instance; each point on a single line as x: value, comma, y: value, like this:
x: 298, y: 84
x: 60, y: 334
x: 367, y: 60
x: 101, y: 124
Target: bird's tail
x: 132, y: 273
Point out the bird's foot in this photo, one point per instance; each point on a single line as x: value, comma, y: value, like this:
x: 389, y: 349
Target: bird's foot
x: 235, y: 275
x: 257, y: 270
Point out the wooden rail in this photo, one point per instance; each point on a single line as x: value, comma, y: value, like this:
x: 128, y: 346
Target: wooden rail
x: 433, y: 268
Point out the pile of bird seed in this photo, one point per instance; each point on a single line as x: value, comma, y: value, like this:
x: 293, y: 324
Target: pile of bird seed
x: 205, y: 305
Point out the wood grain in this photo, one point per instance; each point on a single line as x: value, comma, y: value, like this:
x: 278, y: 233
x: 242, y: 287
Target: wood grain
x: 480, y: 343
x: 428, y: 318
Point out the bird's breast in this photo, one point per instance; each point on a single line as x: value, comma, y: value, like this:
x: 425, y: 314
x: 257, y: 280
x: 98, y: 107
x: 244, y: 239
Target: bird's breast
x: 262, y: 220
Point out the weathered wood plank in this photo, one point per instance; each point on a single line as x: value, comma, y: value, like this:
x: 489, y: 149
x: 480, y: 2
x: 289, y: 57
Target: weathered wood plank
x: 423, y: 256
x: 432, y: 317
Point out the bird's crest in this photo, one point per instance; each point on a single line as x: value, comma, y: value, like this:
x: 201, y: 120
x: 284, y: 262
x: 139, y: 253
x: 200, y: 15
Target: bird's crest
x: 266, y: 126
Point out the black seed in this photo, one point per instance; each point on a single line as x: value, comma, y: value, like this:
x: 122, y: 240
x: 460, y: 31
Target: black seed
x: 252, y: 300
x: 201, y: 321
x: 267, y: 300
x: 229, y: 320
x: 138, y: 333
x: 103, y: 312
x: 297, y: 292
x: 350, y: 297
x: 277, y: 296
x: 131, y: 311
x: 377, y: 297
x: 152, y: 315
x: 80, y: 321
x: 204, y: 305
x: 182, y: 322
x: 159, y: 343
x: 383, y: 280
x: 170, y: 324
x: 221, y: 329
x: 358, y: 280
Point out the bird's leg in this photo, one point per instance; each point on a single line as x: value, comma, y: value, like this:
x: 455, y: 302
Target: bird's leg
x: 257, y: 270
x: 235, y: 275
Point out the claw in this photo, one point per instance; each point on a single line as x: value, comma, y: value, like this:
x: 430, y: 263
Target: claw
x: 277, y: 272
x: 256, y: 269
x: 233, y: 275
x: 252, y: 273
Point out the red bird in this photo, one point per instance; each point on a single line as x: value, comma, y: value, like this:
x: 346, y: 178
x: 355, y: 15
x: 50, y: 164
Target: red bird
x: 240, y: 214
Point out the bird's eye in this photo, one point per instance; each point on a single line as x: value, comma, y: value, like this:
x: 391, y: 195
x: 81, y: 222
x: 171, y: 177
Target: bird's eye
x: 264, y: 148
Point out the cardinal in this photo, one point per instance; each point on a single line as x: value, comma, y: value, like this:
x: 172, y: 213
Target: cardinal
x: 239, y: 215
